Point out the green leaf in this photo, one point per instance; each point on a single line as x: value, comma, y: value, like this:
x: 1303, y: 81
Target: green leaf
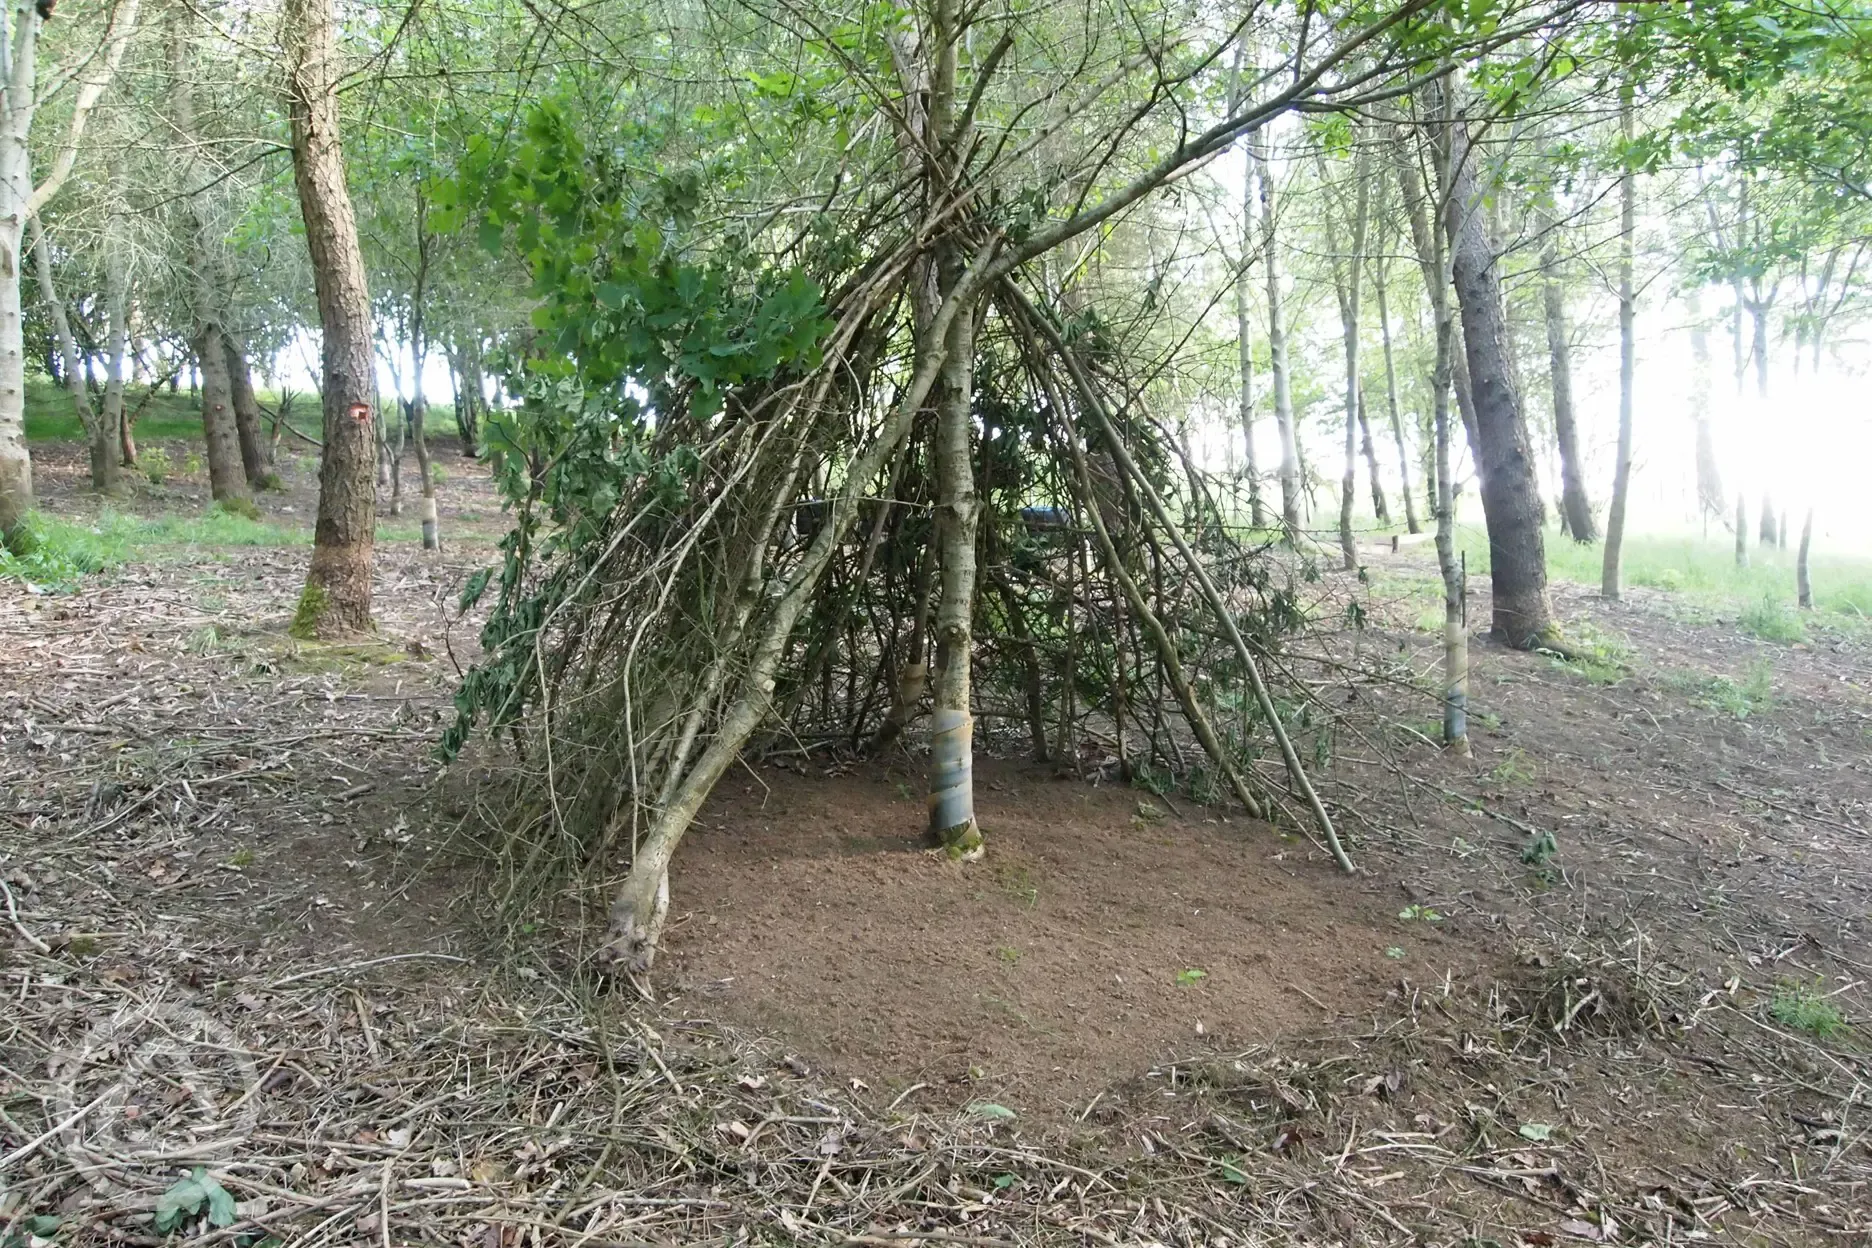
x: 1539, y: 1132
x: 181, y: 1201
x: 1231, y: 1173
x: 491, y: 235
x: 988, y: 1109
x: 220, y: 1201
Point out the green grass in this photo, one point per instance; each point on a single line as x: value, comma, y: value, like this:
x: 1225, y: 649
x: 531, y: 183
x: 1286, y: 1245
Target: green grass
x: 1801, y: 1008
x: 50, y: 418
x: 54, y: 553
x: 1704, y: 573
x: 1754, y: 694
x: 177, y: 417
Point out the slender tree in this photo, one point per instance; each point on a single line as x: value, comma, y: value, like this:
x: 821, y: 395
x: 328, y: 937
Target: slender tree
x: 337, y: 596
x: 1380, y: 268
x: 1803, y: 581
x: 1611, y: 572
x: 101, y: 440
x: 1575, y: 507
x: 1710, y: 496
x: 1277, y: 340
x: 227, y: 478
x: 1348, y: 279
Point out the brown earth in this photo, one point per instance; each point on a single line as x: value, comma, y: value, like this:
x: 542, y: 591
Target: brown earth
x: 1103, y: 933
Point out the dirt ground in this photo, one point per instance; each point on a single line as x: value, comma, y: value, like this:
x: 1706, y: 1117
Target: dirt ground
x: 1139, y: 1020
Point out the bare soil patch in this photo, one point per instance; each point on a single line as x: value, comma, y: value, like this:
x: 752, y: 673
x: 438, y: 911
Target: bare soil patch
x: 1106, y: 931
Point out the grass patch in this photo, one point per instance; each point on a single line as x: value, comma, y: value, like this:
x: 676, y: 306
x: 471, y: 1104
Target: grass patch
x: 1800, y: 1008
x: 1751, y: 695
x: 1772, y: 620
x: 54, y: 553
x: 1704, y: 572
x: 1598, y: 656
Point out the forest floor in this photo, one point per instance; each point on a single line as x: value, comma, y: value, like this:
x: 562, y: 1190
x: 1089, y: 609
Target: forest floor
x: 245, y: 928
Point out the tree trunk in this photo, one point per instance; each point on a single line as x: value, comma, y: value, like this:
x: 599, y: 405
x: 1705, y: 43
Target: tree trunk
x: 1257, y: 510
x: 952, y: 777
x: 1741, y: 532
x: 1708, y: 474
x: 16, y: 187
x: 103, y: 452
x: 1349, y: 279
x: 1803, y: 583
x: 337, y: 596
x: 246, y: 415
x: 1523, y: 615
x: 1380, y: 508
x: 227, y: 479
x: 419, y: 403
x: 952, y: 784
x: 1410, y: 183
x: 115, y: 433
x: 469, y: 408
x: 1765, y: 529
x: 1575, y: 506
x: 1277, y: 343
x: 1391, y: 402
x: 1611, y: 573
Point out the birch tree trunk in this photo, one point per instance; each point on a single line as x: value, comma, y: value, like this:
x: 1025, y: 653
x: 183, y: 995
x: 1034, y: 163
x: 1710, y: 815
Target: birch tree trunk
x: 1611, y: 572
x: 419, y: 402
x: 1257, y: 509
x: 337, y: 596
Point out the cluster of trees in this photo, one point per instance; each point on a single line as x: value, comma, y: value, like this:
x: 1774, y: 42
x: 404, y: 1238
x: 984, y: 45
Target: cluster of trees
x: 847, y: 353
